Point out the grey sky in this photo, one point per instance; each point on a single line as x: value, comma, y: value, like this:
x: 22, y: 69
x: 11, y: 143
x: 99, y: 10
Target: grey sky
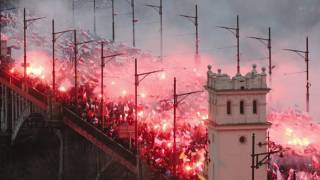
x: 290, y: 20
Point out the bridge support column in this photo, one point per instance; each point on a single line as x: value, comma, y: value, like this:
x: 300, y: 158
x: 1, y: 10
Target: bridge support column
x: 18, y: 105
x: 139, y: 168
x: 4, y: 109
x: 13, y: 108
x: 61, y: 159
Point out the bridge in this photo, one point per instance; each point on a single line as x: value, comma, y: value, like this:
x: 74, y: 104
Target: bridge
x: 26, y: 107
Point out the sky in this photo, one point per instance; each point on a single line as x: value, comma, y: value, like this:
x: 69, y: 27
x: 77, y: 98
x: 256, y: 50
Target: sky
x: 290, y: 21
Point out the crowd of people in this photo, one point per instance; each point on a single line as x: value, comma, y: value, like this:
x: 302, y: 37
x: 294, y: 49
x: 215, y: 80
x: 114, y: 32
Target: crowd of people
x: 155, y: 142
x: 155, y: 133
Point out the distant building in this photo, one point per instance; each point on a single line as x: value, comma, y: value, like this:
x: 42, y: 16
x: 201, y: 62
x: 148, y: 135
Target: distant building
x: 5, y: 51
x: 237, y: 109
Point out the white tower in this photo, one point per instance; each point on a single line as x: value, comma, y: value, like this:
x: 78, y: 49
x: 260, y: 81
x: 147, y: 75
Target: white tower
x: 237, y: 109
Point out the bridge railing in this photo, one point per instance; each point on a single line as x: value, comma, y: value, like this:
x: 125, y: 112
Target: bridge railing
x: 101, y: 136
x: 38, y: 95
x: 17, y: 82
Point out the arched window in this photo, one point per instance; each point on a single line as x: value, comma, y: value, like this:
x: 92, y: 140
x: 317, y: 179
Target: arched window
x: 229, y: 107
x: 254, y: 107
x: 241, y: 107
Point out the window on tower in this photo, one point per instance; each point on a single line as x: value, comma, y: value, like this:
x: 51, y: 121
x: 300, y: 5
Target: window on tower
x: 241, y: 107
x: 229, y: 107
x: 254, y: 107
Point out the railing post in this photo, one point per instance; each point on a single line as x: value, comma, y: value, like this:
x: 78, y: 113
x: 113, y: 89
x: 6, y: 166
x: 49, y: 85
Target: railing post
x: 12, y: 120
x: 2, y: 107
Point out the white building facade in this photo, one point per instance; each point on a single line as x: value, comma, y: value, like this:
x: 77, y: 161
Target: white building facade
x: 237, y: 109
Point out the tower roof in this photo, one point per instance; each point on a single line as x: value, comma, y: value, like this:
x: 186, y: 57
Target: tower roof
x: 253, y: 80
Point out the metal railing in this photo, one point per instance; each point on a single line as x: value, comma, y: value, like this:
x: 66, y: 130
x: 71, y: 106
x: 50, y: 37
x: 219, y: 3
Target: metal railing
x: 17, y: 82
x: 101, y: 136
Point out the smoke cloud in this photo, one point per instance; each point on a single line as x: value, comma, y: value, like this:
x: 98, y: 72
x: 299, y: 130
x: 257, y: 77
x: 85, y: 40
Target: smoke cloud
x: 291, y: 21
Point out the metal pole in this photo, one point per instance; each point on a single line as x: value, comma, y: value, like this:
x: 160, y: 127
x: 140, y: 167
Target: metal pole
x: 75, y: 66
x: 133, y: 25
x: 73, y: 17
x: 113, y: 25
x: 136, y: 117
x: 161, y: 30
x: 136, y: 84
x: 270, y: 63
x: 268, y: 149
x: 53, y: 60
x: 197, y: 35
x: 269, y: 50
x: 307, y: 64
x: 94, y: 17
x: 252, y: 156
x: 24, y: 46
x: 238, y: 46
x: 0, y: 32
x: 174, y: 128
x: 102, y: 105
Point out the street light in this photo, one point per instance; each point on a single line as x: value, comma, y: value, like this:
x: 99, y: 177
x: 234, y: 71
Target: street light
x: 136, y: 83
x: 267, y: 42
x: 102, y: 66
x: 195, y: 21
x: 131, y: 2
x: 159, y: 10
x: 305, y: 55
x: 76, y: 62
x: 175, y: 105
x: 235, y: 31
x: 54, y: 39
x: 25, y: 26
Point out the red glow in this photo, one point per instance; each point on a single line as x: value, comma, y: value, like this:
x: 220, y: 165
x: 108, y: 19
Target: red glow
x: 155, y: 119
x: 143, y: 95
x: 124, y: 92
x: 62, y: 89
x: 188, y: 168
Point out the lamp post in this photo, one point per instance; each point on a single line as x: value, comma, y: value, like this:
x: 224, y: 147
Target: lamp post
x: 94, y: 18
x: 176, y: 102
x: 113, y: 23
x: 102, y: 67
x: 25, y: 26
x: 73, y: 15
x: 267, y: 42
x: 76, y: 44
x: 235, y: 31
x: 136, y: 84
x: 159, y: 10
x: 137, y: 81
x: 55, y: 36
x: 305, y: 55
x: 195, y: 21
x: 133, y: 24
